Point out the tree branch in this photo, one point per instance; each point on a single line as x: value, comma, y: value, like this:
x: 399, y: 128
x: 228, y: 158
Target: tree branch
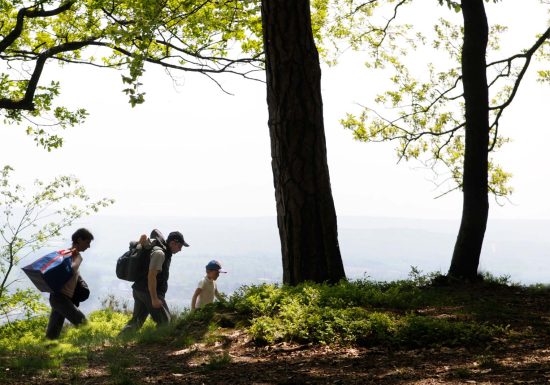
x: 27, y: 103
x: 528, y: 55
x: 30, y: 13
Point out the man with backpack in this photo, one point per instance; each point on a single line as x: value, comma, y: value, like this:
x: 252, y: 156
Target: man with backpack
x: 150, y: 288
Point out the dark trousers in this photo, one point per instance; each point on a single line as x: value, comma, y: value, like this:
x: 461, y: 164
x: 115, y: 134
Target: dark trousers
x: 62, y: 307
x: 143, y: 307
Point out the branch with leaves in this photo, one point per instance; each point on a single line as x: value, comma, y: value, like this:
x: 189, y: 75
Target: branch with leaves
x: 426, y: 117
x: 208, y: 37
x: 508, y: 71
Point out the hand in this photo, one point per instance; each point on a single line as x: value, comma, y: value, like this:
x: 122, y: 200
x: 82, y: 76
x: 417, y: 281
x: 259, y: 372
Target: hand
x: 157, y: 303
x: 142, y: 239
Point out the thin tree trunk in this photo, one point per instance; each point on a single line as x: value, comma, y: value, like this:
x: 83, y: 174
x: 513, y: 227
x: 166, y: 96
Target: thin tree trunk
x: 305, y: 209
x: 475, y: 209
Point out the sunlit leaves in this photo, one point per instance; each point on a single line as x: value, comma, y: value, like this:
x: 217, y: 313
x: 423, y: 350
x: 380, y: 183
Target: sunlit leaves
x: 204, y: 36
x: 353, y: 24
x: 455, y: 5
x: 424, y: 111
x: 544, y: 76
x: 499, y: 181
x: 543, y: 55
x: 21, y: 303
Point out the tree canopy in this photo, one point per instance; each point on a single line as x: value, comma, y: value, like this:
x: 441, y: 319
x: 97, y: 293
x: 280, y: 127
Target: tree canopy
x: 208, y: 37
x: 424, y: 108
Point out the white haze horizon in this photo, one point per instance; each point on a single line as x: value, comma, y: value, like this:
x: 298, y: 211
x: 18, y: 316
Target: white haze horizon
x: 380, y: 249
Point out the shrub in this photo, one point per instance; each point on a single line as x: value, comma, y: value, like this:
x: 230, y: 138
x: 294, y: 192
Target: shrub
x: 418, y: 331
x: 347, y: 313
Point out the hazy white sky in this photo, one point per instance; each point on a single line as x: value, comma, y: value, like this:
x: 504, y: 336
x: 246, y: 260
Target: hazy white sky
x: 191, y: 150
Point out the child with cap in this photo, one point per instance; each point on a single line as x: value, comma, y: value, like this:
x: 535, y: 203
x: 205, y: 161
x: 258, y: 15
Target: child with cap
x: 206, y: 289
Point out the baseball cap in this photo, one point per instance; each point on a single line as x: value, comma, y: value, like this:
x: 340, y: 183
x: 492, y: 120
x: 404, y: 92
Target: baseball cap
x: 215, y: 265
x: 178, y: 237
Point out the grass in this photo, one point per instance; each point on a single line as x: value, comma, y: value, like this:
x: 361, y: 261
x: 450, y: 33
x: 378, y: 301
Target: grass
x: 218, y: 361
x: 397, y: 314
x: 23, y: 348
x: 419, y: 312
x: 119, y: 361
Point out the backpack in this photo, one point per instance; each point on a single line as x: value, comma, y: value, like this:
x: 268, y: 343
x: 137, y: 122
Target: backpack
x: 134, y: 263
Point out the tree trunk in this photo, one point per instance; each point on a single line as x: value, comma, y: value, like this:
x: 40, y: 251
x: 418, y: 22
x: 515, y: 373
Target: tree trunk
x: 475, y: 209
x: 305, y: 209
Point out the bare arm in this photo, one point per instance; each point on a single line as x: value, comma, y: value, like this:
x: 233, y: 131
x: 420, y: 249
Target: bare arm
x: 152, y: 285
x: 194, y: 299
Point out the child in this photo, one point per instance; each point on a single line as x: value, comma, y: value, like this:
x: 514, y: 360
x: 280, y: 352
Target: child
x: 206, y: 289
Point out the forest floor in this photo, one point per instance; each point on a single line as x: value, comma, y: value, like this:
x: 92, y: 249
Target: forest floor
x: 521, y: 355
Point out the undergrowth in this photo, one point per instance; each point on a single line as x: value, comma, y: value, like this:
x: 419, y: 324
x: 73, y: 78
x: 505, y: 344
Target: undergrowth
x: 422, y: 311
x: 360, y: 312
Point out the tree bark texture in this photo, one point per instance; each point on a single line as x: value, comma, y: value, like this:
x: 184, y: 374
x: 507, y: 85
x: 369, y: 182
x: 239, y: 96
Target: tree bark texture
x: 306, y: 216
x: 475, y: 209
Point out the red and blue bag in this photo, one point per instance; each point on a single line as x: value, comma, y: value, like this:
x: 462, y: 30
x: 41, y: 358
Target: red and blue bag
x: 50, y: 272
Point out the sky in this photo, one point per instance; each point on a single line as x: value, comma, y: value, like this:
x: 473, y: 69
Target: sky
x: 194, y: 151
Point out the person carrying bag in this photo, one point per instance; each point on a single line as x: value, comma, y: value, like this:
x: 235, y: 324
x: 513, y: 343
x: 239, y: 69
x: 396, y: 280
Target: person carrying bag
x: 64, y: 302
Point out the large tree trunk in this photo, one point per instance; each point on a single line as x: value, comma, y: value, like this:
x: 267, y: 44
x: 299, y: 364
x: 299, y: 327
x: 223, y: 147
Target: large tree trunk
x: 305, y: 209
x: 475, y: 184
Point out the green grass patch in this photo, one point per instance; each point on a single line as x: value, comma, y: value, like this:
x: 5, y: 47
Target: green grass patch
x: 24, y: 349
x: 423, y: 311
x: 366, y: 313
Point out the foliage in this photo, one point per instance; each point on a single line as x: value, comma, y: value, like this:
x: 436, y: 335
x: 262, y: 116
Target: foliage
x: 207, y: 37
x: 30, y: 222
x: 424, y: 111
x: 28, y: 329
x: 360, y: 312
x: 503, y: 280
x: 21, y: 302
x: 112, y: 303
x: 102, y: 326
x: 218, y: 361
x: 23, y: 347
x: 407, y: 314
x: 416, y: 332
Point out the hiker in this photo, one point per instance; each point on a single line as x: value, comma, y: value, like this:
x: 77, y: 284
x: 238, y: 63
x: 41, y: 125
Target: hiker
x: 65, y: 302
x: 149, y: 290
x: 206, y: 289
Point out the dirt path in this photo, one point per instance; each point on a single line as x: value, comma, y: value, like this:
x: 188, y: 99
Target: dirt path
x: 236, y: 361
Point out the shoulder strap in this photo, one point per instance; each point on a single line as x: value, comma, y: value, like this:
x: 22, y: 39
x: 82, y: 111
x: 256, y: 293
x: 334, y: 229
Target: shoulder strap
x: 157, y: 246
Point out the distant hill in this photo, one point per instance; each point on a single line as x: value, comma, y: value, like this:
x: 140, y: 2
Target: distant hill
x: 381, y: 248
